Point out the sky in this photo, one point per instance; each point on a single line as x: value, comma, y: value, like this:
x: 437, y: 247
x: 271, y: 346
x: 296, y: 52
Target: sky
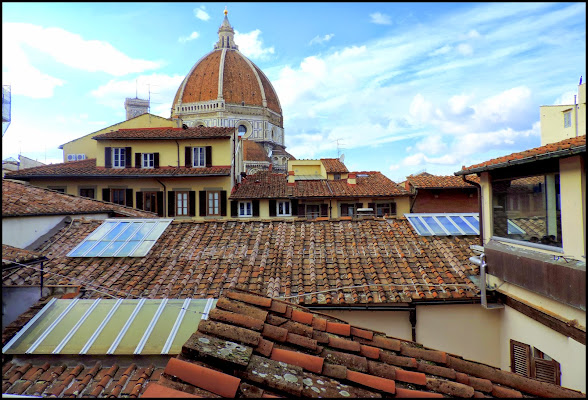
x: 398, y: 88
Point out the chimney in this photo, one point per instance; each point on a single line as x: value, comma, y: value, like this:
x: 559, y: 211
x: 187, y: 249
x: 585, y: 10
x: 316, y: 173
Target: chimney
x: 291, y: 179
x: 271, y: 167
x: 351, y: 178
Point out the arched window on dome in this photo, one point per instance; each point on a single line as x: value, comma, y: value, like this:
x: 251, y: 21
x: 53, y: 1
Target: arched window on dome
x: 242, y: 130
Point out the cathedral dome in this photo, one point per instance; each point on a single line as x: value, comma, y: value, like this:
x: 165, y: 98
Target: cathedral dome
x: 224, y: 80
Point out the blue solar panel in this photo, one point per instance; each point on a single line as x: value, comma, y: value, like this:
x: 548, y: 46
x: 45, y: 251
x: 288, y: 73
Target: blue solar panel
x: 121, y: 238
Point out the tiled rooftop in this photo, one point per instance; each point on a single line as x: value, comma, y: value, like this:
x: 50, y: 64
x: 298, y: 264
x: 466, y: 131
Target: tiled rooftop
x: 334, y: 165
x: 559, y: 149
x: 11, y: 254
x: 88, y: 168
x: 200, y: 132
x: 22, y: 199
x: 371, y: 261
x: 427, y: 181
x: 254, y: 346
x: 265, y: 184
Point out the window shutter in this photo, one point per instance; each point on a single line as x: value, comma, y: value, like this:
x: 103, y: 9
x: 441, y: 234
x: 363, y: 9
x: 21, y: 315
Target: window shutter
x: 129, y: 196
x: 108, y: 157
x: 373, y: 207
x: 128, y: 157
x: 255, y: 208
x: 192, y: 203
x: 138, y: 160
x: 294, y: 206
x: 234, y: 211
x: 223, y: 203
x: 139, y: 198
x: 520, y: 358
x: 188, y: 153
x: 160, y: 204
x: 547, y: 371
x: 156, y: 160
x: 301, y: 210
x: 106, y: 194
x: 208, y: 156
x: 344, y: 209
x: 324, y: 210
x: 171, y: 203
x: 392, y: 208
x: 202, y: 202
x: 272, y: 208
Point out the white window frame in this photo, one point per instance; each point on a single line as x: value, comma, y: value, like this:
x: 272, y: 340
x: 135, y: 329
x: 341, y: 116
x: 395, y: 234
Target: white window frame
x: 567, y: 119
x: 119, y: 159
x: 148, y: 160
x: 289, y: 205
x: 245, y: 209
x: 199, y: 157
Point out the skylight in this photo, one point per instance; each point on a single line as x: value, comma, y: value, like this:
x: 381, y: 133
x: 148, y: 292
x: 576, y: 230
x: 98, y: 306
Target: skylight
x: 456, y: 224
x: 111, y: 326
x: 121, y: 238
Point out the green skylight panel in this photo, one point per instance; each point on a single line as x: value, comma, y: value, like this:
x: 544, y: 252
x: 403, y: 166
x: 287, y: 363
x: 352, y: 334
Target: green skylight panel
x: 121, y: 238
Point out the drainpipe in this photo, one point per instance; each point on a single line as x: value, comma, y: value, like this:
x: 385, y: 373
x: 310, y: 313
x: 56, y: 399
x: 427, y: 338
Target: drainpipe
x: 576, y: 115
x: 178, y: 146
x: 413, y: 320
x: 164, y: 196
x: 416, y: 192
x: 481, y: 262
x: 481, y: 226
x: 41, y: 279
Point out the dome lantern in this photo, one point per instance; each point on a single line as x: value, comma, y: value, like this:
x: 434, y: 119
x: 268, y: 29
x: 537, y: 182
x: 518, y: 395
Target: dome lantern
x: 226, y: 35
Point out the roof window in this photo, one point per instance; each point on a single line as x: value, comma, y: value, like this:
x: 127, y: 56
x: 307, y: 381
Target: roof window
x: 121, y: 238
x: 455, y: 224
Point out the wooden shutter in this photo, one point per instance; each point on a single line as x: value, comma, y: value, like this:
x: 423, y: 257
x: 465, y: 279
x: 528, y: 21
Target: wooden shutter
x: 192, y: 203
x: 223, y: 203
x: 188, y: 157
x: 272, y: 208
x: 344, y: 209
x: 324, y: 210
x: 294, y: 206
x: 547, y: 370
x: 156, y: 160
x: 301, y: 210
x: 392, y: 208
x: 520, y: 358
x: 138, y: 160
x: 129, y: 196
x: 234, y: 209
x: 202, y: 202
x: 358, y: 205
x: 208, y: 156
x: 106, y: 194
x: 128, y: 157
x: 171, y: 203
x: 139, y: 198
x: 255, y: 208
x: 160, y: 207
x: 108, y: 157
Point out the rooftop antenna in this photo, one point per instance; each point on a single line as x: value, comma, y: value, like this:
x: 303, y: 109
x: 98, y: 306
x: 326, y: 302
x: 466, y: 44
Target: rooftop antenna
x: 136, y: 89
x: 339, y: 147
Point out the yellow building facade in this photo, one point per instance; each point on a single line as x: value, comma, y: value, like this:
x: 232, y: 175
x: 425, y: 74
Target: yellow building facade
x: 564, y: 121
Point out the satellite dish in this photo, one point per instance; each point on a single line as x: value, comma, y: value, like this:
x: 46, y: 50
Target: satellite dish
x: 342, y: 158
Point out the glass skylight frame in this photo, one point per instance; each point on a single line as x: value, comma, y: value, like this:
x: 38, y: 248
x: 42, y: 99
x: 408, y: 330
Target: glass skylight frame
x: 421, y: 222
x: 118, y: 237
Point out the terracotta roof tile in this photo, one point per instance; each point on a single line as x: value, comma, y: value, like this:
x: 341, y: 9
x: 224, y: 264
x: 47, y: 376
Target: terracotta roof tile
x: 22, y: 199
x: 200, y: 132
x: 306, y: 361
x: 334, y: 165
x: 428, y: 181
x: 559, y: 149
x: 375, y: 382
x: 205, y: 378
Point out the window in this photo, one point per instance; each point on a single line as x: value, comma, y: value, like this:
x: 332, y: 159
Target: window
x: 57, y: 189
x: 245, y: 209
x: 567, y: 119
x: 150, y: 201
x: 87, y: 193
x: 213, y: 204
x: 199, y: 158
x: 337, y: 176
x: 284, y: 208
x: 528, y: 209
x: 242, y: 130
x: 148, y: 160
x: 118, y: 196
x: 385, y: 209
x: 312, y: 211
x: 121, y: 238
x: 118, y: 157
x: 533, y: 363
x: 348, y: 209
x: 181, y: 203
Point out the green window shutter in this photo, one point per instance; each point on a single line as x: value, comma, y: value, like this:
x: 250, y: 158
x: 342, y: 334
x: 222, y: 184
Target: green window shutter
x: 255, y: 208
x: 138, y: 160
x: 234, y: 210
x: 188, y: 157
x: 294, y: 207
x: 208, y: 156
x: 128, y: 157
x: 156, y: 160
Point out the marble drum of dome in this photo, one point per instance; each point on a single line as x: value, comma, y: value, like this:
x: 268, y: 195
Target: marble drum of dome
x: 224, y: 88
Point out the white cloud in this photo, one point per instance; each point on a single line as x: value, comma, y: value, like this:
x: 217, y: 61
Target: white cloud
x: 201, y: 14
x: 465, y: 49
x: 431, y: 144
x: 380, y: 19
x: 442, y: 50
x: 320, y: 40
x: 193, y: 35
x: 565, y: 98
x: 420, y: 109
x: 251, y: 45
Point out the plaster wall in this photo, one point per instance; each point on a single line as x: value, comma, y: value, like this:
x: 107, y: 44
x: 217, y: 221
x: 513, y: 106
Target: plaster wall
x: 88, y: 146
x: 570, y: 354
x: 552, y: 119
x: 573, y: 207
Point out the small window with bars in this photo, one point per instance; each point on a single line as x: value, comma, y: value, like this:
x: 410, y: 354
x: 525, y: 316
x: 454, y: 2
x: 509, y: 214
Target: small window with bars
x: 532, y: 363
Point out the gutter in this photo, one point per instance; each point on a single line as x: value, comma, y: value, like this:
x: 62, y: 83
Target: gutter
x: 481, y: 225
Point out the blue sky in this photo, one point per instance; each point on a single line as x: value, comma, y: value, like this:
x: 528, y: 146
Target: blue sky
x: 395, y: 87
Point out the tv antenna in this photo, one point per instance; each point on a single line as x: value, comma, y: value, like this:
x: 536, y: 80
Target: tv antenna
x: 339, y: 147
